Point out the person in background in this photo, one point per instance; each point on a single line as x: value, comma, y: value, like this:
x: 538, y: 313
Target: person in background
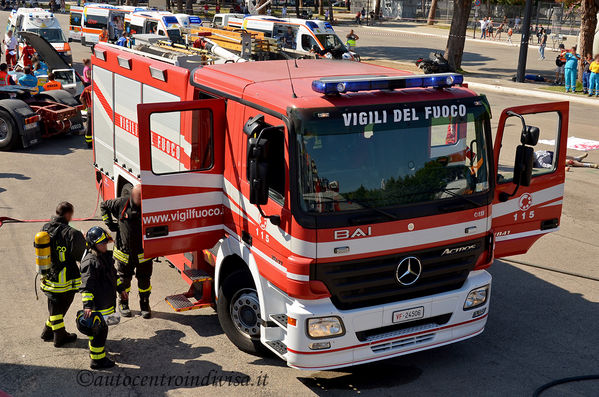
x: 510, y: 32
x: 52, y: 84
x: 40, y: 67
x: 288, y: 38
x: 560, y: 62
x: 217, y: 8
x: 87, y: 71
x: 571, y: 69
x: 483, y: 28
x: 104, y: 35
x: 586, y: 63
x: 27, y: 53
x: 284, y: 12
x: 594, y: 77
x: 351, y: 40
x: 122, y: 41
x: 5, y: 78
x: 10, y: 44
x: 358, y: 16
x: 542, y: 43
x: 517, y: 24
x: 28, y: 79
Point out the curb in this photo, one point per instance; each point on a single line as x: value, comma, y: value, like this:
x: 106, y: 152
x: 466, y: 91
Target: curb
x: 533, y: 93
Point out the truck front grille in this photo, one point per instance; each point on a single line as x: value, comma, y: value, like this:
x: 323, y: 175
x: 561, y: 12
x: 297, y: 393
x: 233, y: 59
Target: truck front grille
x: 369, y: 282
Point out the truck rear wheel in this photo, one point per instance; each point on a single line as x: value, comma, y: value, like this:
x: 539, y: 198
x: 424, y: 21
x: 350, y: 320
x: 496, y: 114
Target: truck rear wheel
x: 9, y: 136
x: 238, y: 310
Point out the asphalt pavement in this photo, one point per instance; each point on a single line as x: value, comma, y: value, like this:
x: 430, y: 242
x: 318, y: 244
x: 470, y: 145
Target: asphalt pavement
x: 542, y: 325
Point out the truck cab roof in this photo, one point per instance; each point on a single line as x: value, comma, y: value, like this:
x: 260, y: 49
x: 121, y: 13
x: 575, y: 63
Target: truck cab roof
x: 268, y: 84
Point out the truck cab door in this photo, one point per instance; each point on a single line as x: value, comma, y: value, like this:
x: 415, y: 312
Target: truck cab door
x: 181, y: 150
x: 533, y: 211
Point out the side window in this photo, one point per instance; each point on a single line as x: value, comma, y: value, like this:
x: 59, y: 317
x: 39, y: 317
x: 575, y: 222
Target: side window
x: 308, y: 42
x: 161, y: 32
x: 75, y: 19
x: 182, y: 141
x: 545, y: 151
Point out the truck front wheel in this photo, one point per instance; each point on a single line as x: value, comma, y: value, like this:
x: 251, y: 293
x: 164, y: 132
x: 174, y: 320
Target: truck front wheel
x: 9, y: 136
x: 238, y: 310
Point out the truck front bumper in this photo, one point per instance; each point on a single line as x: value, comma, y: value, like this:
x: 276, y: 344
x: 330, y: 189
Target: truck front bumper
x: 370, y: 334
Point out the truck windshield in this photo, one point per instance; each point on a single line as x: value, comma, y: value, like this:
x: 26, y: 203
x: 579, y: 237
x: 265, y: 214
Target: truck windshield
x: 393, y: 155
x: 330, y: 42
x: 52, y: 35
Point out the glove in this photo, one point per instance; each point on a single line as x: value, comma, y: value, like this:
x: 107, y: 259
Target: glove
x: 112, y: 226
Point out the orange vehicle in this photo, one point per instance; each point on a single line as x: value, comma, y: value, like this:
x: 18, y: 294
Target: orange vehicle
x: 332, y: 212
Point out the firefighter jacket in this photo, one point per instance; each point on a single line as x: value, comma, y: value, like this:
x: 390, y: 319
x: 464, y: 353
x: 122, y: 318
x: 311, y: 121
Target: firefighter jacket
x: 122, y: 216
x: 67, y: 248
x: 99, y: 282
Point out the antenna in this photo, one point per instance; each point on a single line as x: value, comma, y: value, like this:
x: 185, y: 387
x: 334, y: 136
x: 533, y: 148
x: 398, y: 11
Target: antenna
x: 290, y: 80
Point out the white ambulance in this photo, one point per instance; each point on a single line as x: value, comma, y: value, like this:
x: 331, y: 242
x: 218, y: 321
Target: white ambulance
x: 187, y: 21
x: 163, y: 23
x: 43, y: 23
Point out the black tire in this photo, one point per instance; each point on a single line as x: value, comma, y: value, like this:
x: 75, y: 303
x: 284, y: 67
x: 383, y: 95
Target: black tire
x: 237, y: 285
x: 9, y: 134
x: 126, y: 190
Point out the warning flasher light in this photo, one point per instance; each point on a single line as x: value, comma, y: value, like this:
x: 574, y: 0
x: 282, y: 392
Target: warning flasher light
x: 339, y: 85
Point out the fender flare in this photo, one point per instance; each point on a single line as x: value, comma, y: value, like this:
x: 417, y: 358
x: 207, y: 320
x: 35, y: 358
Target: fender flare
x: 60, y: 96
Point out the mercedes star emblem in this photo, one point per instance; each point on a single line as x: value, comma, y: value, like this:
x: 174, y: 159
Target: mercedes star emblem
x: 408, y: 271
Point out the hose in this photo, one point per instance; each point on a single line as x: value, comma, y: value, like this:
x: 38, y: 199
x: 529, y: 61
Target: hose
x: 7, y: 219
x: 562, y: 381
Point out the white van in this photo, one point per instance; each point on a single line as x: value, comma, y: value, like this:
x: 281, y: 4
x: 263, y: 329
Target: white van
x: 188, y: 21
x: 307, y: 36
x: 43, y: 23
x: 163, y: 23
x: 75, y: 23
x: 97, y: 16
x: 221, y: 20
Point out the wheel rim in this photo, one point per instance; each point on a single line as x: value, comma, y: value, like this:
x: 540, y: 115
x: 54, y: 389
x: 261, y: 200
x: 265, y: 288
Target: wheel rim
x: 3, y: 130
x: 245, y: 312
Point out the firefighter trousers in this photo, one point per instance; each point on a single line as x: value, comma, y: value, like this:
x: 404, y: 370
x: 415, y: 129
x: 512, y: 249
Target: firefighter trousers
x: 96, y: 330
x: 58, y: 305
x: 142, y: 271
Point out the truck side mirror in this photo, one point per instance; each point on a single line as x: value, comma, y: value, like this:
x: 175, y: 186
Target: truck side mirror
x: 257, y: 165
x: 530, y: 135
x: 523, y: 165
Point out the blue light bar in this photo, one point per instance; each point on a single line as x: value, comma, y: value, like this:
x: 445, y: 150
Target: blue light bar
x: 339, y: 85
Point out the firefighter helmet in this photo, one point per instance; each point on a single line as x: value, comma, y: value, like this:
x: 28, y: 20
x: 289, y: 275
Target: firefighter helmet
x: 96, y: 235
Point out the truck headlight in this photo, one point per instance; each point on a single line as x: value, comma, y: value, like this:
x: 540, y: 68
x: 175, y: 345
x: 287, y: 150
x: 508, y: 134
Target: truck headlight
x: 476, y: 297
x: 325, y: 327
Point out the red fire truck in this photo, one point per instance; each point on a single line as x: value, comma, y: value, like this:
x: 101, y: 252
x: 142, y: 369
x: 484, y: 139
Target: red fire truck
x: 335, y: 213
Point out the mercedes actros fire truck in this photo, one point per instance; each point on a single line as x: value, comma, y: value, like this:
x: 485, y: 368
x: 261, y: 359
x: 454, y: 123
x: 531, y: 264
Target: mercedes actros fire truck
x: 332, y: 212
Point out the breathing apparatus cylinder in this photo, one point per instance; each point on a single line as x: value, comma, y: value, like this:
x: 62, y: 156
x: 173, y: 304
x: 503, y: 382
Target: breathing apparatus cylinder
x: 43, y: 260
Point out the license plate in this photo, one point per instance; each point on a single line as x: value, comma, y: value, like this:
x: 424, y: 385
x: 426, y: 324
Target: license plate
x: 408, y: 315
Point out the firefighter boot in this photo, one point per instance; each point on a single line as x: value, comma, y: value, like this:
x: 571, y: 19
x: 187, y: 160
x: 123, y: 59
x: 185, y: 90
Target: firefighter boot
x: 144, y: 305
x: 62, y: 337
x: 104, y: 362
x: 47, y: 334
x: 124, y: 308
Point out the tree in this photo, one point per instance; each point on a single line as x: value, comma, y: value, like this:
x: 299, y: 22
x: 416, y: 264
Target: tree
x: 179, y: 5
x: 189, y: 6
x: 431, y: 12
x: 320, y: 7
x: 588, y: 23
x: 377, y: 8
x: 457, y: 33
x: 261, y: 11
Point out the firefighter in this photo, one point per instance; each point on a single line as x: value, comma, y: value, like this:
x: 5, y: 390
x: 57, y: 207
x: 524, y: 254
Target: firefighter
x: 98, y: 293
x: 86, y: 99
x: 123, y: 216
x: 63, y: 279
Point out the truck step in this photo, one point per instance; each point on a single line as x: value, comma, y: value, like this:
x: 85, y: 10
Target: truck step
x: 181, y: 303
x: 277, y: 346
x: 197, y: 275
x: 279, y: 319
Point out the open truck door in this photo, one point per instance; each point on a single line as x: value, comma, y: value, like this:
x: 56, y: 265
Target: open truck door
x: 522, y: 214
x: 181, y: 150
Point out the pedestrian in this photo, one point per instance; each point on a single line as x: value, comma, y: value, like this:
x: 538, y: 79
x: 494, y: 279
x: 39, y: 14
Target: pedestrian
x: 510, y: 32
x: 99, y: 288
x: 499, y: 31
x: 52, y: 84
x: 123, y: 216
x: 87, y: 71
x: 351, y: 40
x: 586, y: 73
x: 483, y: 28
x: 571, y: 69
x: 103, y: 35
x: 363, y: 13
x: 217, y: 8
x: 542, y: 44
x: 5, y: 78
x: 27, y: 53
x: 62, y: 281
x: 284, y: 12
x: 358, y: 16
x: 28, y: 79
x: 517, y: 24
x: 10, y: 44
x: 560, y: 62
x: 594, y: 77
